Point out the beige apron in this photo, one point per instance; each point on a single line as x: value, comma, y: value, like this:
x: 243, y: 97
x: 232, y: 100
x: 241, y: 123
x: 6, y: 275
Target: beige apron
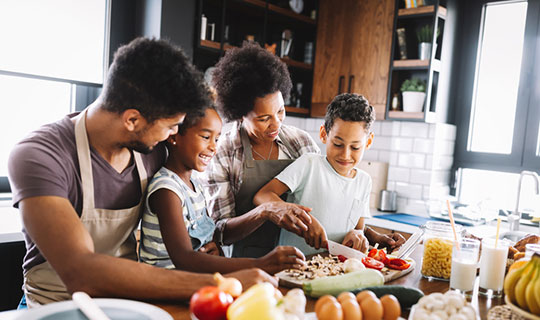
x: 111, y: 230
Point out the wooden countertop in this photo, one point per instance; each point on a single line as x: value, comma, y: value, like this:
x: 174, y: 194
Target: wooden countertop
x: 414, y: 279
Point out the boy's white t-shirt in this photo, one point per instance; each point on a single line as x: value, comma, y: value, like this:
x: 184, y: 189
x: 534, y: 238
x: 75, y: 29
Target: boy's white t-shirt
x: 337, y: 201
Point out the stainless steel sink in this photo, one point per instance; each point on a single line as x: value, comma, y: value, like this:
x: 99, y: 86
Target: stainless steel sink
x: 512, y: 236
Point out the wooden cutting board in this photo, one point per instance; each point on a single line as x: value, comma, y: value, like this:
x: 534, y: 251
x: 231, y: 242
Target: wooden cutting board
x: 287, y: 281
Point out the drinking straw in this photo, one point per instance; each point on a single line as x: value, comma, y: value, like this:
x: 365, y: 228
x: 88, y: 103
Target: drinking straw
x: 451, y: 216
x: 498, y: 228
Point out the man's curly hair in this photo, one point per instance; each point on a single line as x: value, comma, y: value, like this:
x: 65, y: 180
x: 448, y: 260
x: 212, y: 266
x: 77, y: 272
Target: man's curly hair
x: 156, y: 78
x: 349, y: 107
x: 245, y: 74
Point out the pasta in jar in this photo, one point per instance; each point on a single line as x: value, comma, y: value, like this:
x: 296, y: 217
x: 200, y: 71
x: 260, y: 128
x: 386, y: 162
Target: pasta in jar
x: 438, y: 243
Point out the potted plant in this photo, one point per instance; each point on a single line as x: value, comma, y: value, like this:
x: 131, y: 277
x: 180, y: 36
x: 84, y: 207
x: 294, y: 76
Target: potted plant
x: 414, y: 94
x: 425, y: 37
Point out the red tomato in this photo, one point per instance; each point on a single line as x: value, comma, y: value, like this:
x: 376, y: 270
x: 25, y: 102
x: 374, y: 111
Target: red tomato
x: 342, y: 258
x: 379, y: 255
x: 372, y: 263
x: 210, y: 303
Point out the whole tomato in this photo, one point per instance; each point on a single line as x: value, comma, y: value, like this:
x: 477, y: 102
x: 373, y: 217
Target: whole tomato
x: 210, y: 303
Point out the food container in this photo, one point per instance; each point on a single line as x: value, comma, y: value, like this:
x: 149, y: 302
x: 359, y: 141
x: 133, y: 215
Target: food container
x: 438, y: 243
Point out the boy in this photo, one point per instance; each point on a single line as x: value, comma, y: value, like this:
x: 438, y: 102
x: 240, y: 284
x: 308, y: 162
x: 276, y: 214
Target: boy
x: 331, y: 185
x: 177, y: 231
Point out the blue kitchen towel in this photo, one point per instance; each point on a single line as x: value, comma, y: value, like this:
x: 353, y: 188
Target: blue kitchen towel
x: 404, y: 218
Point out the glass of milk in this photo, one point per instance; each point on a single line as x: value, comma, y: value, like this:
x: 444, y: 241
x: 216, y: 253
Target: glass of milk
x: 464, y: 264
x: 492, y: 267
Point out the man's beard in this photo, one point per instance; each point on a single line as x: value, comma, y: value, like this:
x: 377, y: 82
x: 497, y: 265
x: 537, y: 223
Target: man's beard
x: 139, y: 147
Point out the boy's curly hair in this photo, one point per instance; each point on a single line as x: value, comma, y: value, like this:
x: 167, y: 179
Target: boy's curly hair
x: 245, y: 74
x: 349, y: 107
x: 156, y: 78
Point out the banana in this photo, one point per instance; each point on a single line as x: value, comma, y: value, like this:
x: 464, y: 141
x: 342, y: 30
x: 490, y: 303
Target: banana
x: 522, y: 285
x: 537, y: 283
x: 511, y: 280
x: 529, y: 292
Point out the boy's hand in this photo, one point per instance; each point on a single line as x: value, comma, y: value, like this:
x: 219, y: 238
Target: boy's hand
x: 210, y: 248
x: 249, y: 277
x: 283, y: 257
x: 356, y: 240
x: 316, y: 235
x: 289, y: 216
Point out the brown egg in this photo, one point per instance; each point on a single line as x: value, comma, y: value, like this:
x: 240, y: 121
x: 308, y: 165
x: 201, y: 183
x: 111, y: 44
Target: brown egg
x: 391, y: 307
x: 372, y: 309
x: 351, y: 310
x: 364, y: 294
x: 323, y: 300
x: 346, y: 296
x: 330, y: 310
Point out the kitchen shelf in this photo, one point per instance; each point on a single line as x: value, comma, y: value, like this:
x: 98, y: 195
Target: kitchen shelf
x: 401, y: 115
x: 290, y: 109
x: 297, y: 64
x: 421, y: 11
x: 417, y: 64
x: 210, y: 44
x: 291, y: 14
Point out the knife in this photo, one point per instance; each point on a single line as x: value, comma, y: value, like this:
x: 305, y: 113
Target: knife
x: 339, y: 249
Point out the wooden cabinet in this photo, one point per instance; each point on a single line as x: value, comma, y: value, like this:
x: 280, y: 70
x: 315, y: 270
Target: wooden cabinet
x: 263, y: 21
x: 354, y: 42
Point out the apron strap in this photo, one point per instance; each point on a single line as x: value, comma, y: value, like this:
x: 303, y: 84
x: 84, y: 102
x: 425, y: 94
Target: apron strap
x: 248, y: 154
x: 85, y: 163
x: 143, y: 176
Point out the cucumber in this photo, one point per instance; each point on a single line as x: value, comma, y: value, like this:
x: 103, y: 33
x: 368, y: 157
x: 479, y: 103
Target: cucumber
x: 335, y: 285
x: 407, y: 296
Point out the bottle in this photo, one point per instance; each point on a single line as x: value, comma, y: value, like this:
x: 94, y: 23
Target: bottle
x: 203, y: 27
x: 299, y: 86
x: 395, y: 102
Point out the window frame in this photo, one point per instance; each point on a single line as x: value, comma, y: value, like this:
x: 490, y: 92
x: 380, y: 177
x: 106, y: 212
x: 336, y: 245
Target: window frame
x: 522, y: 156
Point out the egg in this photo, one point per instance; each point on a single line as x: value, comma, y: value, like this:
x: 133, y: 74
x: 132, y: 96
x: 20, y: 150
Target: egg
x: 346, y: 296
x: 351, y: 309
x: 391, y: 307
x: 372, y: 309
x: 330, y: 310
x: 364, y: 294
x: 323, y: 300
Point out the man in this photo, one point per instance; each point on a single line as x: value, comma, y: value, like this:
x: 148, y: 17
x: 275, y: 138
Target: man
x: 79, y: 182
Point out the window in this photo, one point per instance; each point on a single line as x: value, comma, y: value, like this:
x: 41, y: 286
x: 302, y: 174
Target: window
x: 497, y: 109
x: 51, y: 52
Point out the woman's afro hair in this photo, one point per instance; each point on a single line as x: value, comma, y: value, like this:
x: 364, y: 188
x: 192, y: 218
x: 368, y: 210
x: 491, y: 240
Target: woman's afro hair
x: 245, y: 74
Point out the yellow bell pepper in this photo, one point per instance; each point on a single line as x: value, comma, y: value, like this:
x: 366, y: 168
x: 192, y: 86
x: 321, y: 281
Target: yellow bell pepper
x: 258, y: 302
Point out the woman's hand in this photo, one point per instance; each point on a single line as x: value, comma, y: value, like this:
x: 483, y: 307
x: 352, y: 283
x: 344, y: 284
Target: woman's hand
x: 356, y: 240
x: 315, y: 236
x: 283, y: 257
x: 210, y: 248
x: 289, y: 216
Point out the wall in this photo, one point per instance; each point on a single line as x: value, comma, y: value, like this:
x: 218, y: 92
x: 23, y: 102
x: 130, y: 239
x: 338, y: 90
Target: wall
x: 420, y: 157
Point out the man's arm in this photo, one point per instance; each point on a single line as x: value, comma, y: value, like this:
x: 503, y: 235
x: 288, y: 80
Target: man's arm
x: 56, y: 229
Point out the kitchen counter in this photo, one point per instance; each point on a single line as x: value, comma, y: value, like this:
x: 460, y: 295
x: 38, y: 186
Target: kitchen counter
x: 11, y: 224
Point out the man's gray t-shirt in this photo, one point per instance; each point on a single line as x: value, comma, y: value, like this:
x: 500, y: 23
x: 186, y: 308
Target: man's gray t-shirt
x: 45, y: 163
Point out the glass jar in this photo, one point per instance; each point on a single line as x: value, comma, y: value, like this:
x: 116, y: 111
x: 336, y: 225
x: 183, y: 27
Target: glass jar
x: 438, y: 243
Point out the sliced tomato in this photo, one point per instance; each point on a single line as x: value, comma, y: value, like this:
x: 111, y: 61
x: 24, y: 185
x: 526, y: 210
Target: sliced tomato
x: 398, y: 264
x: 372, y: 263
x: 342, y: 258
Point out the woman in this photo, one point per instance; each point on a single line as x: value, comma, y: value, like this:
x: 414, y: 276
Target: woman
x: 251, y: 84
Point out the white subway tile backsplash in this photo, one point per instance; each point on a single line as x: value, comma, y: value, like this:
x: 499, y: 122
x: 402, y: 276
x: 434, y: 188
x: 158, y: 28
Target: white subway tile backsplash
x: 382, y: 143
x: 444, y: 147
x: 414, y: 129
x: 429, y: 162
x: 389, y: 157
x: 411, y: 160
x: 315, y: 136
x: 408, y: 190
x: 391, y: 185
x: 401, y: 204
x: 424, y: 146
x: 402, y: 144
x: 420, y: 176
x: 399, y: 174
x: 376, y: 128
x: 417, y: 207
x: 391, y: 128
x: 444, y: 131
x: 440, y: 177
x: 426, y: 192
x: 371, y: 155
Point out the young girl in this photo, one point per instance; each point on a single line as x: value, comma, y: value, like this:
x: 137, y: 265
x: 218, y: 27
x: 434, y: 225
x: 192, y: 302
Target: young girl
x: 177, y: 230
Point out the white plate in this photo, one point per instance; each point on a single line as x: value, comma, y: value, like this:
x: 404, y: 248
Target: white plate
x: 114, y: 308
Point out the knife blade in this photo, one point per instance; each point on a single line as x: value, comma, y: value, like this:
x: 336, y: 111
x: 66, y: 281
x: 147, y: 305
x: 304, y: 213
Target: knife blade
x: 339, y: 249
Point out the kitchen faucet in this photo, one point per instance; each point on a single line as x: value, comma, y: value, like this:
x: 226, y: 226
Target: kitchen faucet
x: 514, y: 218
